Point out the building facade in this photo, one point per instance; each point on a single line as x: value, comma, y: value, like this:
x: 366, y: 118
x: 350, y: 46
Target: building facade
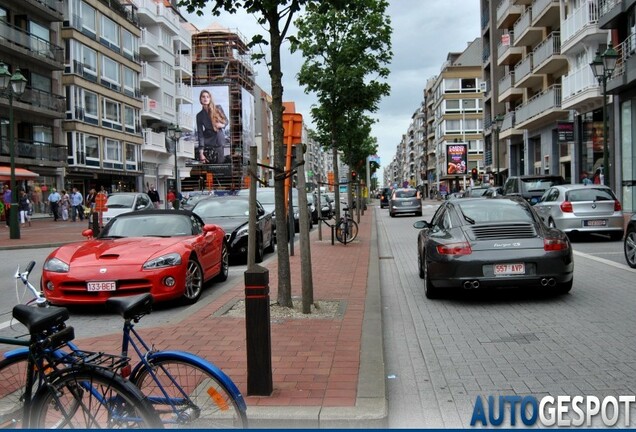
x: 30, y: 41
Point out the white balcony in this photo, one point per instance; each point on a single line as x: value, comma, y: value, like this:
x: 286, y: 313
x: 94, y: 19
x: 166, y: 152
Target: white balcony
x: 170, y: 19
x: 546, y: 56
x: 580, y: 87
x: 582, y: 26
x: 151, y: 108
x: 525, y: 33
x: 545, y: 13
x: 183, y: 65
x: 150, y: 76
x: 183, y: 93
x: 154, y: 141
x: 186, y: 121
x: 507, y: 13
x: 148, y: 43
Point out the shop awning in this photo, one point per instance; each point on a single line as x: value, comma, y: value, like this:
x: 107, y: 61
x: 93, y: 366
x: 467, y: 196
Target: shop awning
x: 20, y: 174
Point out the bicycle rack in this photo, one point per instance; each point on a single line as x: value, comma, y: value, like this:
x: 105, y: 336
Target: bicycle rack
x: 333, y: 229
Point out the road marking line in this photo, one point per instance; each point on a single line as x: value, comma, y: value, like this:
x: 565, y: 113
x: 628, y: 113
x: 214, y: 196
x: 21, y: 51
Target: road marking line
x: 605, y: 261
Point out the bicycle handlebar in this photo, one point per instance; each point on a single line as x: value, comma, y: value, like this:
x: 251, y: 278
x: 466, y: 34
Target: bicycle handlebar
x: 40, y: 300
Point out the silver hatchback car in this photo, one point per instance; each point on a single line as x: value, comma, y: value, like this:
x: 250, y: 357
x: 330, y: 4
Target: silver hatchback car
x: 405, y: 200
x: 579, y: 208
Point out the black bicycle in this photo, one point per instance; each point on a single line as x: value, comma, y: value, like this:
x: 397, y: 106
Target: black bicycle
x: 346, y: 228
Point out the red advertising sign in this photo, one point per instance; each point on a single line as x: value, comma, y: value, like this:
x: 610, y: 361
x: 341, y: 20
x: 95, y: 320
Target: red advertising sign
x: 456, y: 159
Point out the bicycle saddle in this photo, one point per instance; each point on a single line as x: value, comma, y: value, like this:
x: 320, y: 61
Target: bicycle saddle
x: 39, y: 319
x: 130, y: 306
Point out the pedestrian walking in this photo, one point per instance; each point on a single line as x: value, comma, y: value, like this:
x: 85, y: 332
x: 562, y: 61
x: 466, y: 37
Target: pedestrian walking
x: 585, y: 179
x: 89, y: 204
x: 154, y: 196
x: 24, y: 206
x: 65, y: 205
x: 54, y: 204
x: 171, y: 197
x: 77, y: 209
x: 6, y: 200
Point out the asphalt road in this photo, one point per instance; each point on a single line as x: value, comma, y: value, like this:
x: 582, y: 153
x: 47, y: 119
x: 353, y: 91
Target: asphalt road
x: 440, y: 355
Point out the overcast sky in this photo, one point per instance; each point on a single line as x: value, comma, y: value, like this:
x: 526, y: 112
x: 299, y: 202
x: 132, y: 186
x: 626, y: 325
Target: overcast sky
x: 424, y: 32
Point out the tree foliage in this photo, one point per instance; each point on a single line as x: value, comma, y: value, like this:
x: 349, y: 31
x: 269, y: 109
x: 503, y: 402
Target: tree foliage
x: 346, y: 46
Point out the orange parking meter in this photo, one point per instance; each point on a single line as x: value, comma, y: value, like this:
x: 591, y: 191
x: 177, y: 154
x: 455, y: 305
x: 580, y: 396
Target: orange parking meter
x: 100, y: 205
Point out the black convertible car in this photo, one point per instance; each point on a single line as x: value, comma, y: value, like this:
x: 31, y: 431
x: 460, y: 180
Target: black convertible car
x: 499, y: 242
x: 232, y: 214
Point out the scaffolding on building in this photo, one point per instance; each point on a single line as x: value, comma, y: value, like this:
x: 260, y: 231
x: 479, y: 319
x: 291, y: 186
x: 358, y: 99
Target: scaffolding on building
x: 221, y: 56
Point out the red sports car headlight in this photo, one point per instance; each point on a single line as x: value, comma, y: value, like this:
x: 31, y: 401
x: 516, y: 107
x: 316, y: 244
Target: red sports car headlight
x: 56, y: 265
x: 462, y: 248
x: 169, y: 260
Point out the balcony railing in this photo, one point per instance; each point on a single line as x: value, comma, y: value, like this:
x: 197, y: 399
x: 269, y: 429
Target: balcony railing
x: 183, y: 91
x: 31, y: 42
x: 154, y: 141
x: 150, y: 73
x: 506, y: 82
x: 38, y: 150
x: 584, y: 16
x: 508, y: 121
x: 502, y: 8
x: 184, y: 62
x: 524, y: 22
x: 625, y: 50
x: 42, y: 99
x: 606, y: 5
x: 149, y: 39
x: 524, y: 67
x: 540, y: 103
x: 538, y: 6
x: 578, y: 80
x: 546, y: 49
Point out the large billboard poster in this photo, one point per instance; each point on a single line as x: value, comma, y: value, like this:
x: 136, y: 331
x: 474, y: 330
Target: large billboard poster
x: 211, y: 116
x: 456, y: 159
x: 247, y: 101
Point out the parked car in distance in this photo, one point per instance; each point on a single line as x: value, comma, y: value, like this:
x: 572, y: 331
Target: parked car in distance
x: 169, y: 254
x: 493, y: 191
x: 405, y: 200
x: 629, y: 242
x: 124, y: 202
x: 385, y: 196
x: 312, y: 202
x: 475, y: 192
x: 195, y: 197
x: 232, y: 214
x: 531, y: 187
x: 579, y: 208
x: 481, y: 243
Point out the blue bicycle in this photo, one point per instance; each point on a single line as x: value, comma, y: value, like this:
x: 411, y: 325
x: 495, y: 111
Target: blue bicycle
x: 185, y: 390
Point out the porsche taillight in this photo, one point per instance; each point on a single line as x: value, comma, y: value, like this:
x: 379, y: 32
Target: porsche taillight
x: 554, y: 244
x: 566, y: 207
x: 462, y: 248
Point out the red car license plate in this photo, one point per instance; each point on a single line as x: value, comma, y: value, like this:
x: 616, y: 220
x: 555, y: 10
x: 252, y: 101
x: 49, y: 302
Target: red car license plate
x: 598, y: 222
x: 509, y: 269
x: 101, y: 286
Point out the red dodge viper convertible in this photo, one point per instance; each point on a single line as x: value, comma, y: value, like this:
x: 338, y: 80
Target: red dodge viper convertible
x: 169, y: 253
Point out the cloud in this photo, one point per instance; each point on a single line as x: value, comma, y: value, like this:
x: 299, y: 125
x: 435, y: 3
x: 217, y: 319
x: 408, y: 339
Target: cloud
x: 424, y: 32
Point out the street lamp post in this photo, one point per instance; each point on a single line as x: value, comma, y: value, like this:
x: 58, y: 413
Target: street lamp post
x: 10, y: 86
x: 174, y: 132
x: 603, y: 67
x: 498, y: 120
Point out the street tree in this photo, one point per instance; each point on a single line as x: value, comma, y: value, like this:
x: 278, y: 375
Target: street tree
x: 275, y: 16
x: 346, y: 46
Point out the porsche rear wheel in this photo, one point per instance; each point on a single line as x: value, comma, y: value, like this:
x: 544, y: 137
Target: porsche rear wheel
x: 429, y: 290
x: 193, y: 282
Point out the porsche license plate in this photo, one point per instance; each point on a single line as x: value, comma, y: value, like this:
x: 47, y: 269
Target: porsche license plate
x: 101, y: 286
x: 509, y: 269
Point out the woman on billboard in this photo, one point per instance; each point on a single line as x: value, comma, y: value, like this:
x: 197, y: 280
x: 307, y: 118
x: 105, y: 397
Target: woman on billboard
x: 211, y: 122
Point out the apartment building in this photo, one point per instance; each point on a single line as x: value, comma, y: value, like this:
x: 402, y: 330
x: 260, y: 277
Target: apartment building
x: 165, y: 45
x: 30, y: 43
x: 619, y: 18
x: 458, y: 116
x: 103, y: 99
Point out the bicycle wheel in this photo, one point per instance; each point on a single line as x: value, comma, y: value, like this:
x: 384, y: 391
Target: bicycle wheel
x: 89, y: 398
x: 188, y: 396
x: 13, y: 379
x: 348, y: 234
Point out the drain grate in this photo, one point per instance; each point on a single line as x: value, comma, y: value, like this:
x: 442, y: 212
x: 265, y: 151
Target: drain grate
x: 386, y: 257
x: 520, y: 338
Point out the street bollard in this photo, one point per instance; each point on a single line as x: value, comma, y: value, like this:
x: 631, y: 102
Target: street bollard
x: 258, y: 332
x: 95, y: 224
